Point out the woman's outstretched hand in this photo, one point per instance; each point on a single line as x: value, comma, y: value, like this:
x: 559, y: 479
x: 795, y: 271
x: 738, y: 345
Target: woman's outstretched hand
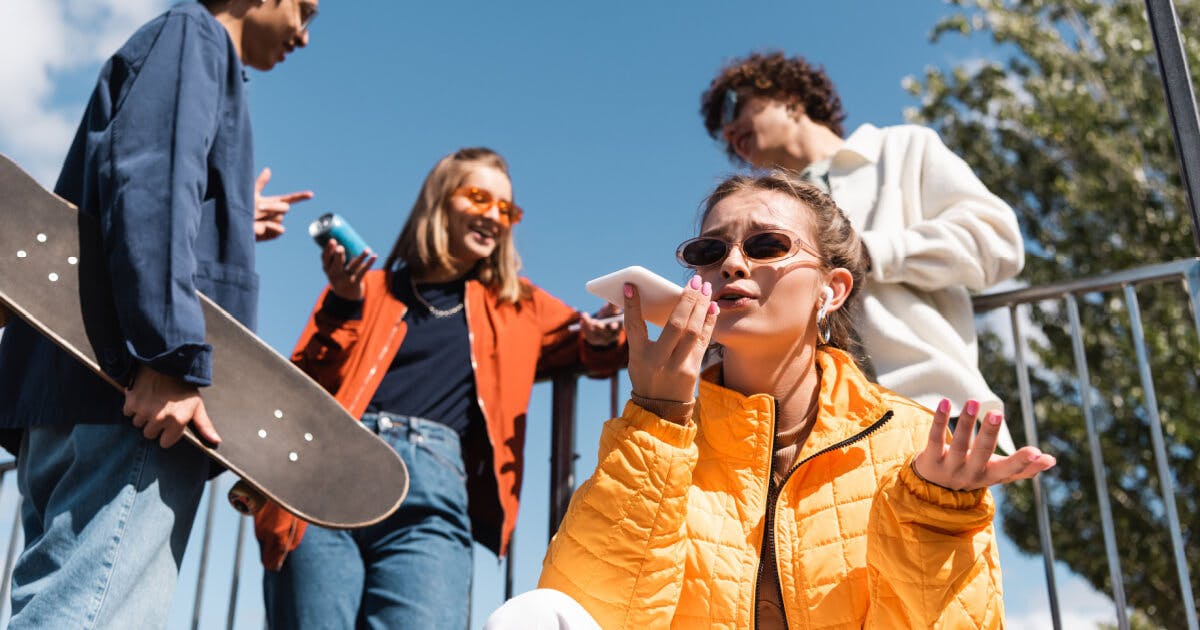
x: 603, y: 328
x: 667, y: 369
x: 969, y: 461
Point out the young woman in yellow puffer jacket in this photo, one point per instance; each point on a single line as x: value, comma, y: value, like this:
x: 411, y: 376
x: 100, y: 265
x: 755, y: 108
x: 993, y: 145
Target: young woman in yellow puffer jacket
x: 795, y: 493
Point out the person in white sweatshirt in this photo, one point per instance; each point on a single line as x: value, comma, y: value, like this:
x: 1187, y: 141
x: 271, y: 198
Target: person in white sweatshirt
x: 933, y: 230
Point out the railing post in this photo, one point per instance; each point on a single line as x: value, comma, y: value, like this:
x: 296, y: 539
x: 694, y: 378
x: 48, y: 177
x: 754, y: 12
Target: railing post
x: 1039, y: 500
x: 231, y: 613
x: 508, y: 567
x: 198, y: 604
x: 1191, y: 284
x: 1160, y: 457
x: 614, y: 391
x: 1106, y: 519
x: 562, y: 447
x: 1181, y: 100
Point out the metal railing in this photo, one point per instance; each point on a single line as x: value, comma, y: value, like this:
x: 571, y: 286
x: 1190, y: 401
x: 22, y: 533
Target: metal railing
x: 1185, y: 272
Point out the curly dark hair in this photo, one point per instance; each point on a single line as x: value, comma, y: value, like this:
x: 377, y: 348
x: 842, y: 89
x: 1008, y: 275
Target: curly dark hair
x: 774, y: 75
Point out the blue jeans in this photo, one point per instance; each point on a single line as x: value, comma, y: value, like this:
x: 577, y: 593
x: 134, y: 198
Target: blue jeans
x: 107, y: 514
x: 413, y: 570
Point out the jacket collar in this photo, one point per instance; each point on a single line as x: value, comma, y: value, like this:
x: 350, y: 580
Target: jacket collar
x: 741, y: 426
x: 865, y: 144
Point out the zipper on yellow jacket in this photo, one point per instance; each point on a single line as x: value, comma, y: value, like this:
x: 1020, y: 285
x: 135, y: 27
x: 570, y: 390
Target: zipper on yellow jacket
x: 773, y: 500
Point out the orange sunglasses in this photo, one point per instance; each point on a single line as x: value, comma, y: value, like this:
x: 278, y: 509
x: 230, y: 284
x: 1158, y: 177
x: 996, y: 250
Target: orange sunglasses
x: 483, y: 200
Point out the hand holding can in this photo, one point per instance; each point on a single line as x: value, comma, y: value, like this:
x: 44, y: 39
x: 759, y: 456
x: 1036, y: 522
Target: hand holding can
x: 332, y: 226
x: 345, y: 256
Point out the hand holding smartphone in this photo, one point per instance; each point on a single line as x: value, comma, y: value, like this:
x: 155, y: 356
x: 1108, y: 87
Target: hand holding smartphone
x: 659, y: 295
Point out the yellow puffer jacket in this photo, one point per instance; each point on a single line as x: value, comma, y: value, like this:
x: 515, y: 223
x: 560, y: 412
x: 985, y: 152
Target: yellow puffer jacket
x: 668, y: 532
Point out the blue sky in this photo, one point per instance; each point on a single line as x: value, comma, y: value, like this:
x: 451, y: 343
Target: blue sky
x: 595, y: 107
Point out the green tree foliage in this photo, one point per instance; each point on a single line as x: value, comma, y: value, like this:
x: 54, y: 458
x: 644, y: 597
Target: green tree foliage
x: 1070, y: 127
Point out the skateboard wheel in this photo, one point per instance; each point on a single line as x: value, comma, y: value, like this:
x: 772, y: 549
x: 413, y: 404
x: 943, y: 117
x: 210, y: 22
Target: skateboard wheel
x: 245, y: 499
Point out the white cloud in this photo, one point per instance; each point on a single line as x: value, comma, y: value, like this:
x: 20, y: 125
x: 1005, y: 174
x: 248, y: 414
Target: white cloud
x: 40, y: 41
x: 1080, y: 606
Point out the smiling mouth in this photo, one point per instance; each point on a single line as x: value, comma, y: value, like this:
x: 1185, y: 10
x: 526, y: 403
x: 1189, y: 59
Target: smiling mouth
x: 484, y: 233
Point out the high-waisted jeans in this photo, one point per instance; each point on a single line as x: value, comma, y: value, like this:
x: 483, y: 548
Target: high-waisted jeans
x: 413, y: 570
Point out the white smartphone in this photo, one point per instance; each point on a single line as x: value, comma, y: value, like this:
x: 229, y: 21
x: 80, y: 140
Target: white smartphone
x: 659, y: 295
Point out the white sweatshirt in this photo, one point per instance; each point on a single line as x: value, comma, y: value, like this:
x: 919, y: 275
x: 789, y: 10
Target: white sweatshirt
x: 933, y: 231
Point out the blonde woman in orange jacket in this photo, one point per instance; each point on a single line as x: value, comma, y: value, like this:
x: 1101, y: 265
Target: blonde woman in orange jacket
x: 437, y: 353
x: 793, y: 493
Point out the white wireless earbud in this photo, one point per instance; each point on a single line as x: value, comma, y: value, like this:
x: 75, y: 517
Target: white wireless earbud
x: 823, y: 334
x: 828, y: 293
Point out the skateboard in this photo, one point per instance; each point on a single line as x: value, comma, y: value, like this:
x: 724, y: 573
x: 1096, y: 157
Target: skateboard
x: 285, y: 437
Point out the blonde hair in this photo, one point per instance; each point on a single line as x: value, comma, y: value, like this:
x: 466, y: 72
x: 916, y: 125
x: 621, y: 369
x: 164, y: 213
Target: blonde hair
x: 423, y: 244
x: 838, y: 245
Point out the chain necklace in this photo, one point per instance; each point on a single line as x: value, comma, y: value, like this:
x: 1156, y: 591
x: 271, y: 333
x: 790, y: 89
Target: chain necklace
x: 440, y: 313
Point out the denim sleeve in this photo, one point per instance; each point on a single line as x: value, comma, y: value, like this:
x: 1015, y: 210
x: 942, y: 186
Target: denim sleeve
x: 162, y: 133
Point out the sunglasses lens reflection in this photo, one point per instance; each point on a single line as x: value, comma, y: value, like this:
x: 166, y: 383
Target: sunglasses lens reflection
x: 729, y: 108
x: 704, y: 252
x: 767, y: 246
x: 480, y: 198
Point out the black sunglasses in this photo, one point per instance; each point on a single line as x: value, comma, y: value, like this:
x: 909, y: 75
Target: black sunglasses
x: 764, y: 247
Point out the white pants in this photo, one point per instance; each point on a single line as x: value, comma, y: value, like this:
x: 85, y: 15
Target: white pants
x: 541, y: 609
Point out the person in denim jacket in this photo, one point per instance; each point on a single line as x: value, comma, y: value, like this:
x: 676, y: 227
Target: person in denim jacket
x: 163, y: 159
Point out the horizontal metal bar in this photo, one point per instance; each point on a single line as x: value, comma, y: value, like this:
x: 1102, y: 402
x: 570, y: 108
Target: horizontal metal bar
x: 1107, y: 282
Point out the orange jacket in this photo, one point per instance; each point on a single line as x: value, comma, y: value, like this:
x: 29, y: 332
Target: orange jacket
x: 510, y: 344
x: 668, y: 532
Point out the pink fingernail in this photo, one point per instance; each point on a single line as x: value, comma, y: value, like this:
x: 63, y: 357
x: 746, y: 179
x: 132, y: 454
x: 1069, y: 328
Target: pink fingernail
x: 994, y: 418
x: 694, y: 282
x: 706, y: 289
x: 713, y: 309
x: 628, y: 290
x: 1034, y: 457
x: 944, y: 406
x: 972, y: 407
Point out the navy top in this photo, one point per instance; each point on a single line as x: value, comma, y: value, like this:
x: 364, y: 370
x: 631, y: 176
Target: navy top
x: 431, y: 376
x: 163, y: 157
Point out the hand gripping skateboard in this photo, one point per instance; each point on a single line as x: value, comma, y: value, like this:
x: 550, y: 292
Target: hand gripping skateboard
x: 284, y: 435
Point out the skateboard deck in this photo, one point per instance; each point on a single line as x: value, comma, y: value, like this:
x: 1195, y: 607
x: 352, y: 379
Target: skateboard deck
x: 282, y: 433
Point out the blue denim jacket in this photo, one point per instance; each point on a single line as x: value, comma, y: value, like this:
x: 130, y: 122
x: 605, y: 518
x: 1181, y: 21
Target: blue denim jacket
x: 163, y: 157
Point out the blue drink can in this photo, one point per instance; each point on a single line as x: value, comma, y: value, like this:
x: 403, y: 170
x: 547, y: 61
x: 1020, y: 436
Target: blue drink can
x: 333, y: 226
